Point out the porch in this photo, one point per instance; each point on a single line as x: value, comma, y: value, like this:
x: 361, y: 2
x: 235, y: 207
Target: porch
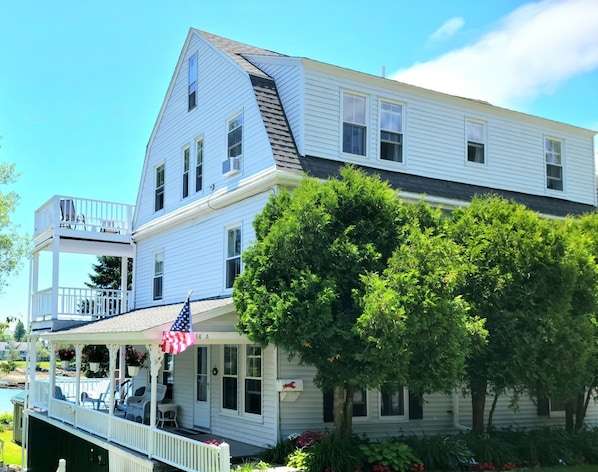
x: 178, y: 447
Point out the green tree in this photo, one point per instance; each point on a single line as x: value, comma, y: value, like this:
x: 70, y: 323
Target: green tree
x: 13, y: 245
x: 107, y: 273
x: 521, y: 283
x: 20, y: 333
x: 309, y: 286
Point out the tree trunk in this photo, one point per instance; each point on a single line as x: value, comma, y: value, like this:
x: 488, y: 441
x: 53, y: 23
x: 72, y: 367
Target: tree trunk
x: 581, y: 408
x: 569, y: 410
x: 343, y: 409
x: 491, y: 413
x: 478, y: 404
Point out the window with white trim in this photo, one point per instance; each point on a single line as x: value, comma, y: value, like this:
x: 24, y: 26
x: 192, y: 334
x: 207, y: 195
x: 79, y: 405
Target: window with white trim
x: 192, y: 85
x: 253, y: 379
x: 186, y: 171
x: 233, y: 255
x: 392, y: 401
x: 199, y: 165
x: 230, y: 374
x: 476, y: 139
x: 159, y: 188
x: 554, y: 164
x: 391, y: 132
x: 354, y: 124
x: 158, y: 275
x: 360, y: 404
x: 235, y: 136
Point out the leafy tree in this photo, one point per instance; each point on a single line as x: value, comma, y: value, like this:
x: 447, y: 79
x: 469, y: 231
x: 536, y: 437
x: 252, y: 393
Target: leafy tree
x: 310, y: 286
x: 13, y: 246
x: 522, y: 284
x: 107, y: 273
x: 20, y: 333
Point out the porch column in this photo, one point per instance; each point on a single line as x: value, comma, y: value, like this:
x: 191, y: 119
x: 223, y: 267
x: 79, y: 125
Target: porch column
x: 78, y: 358
x: 113, y: 354
x: 55, y: 278
x: 33, y: 286
x: 124, y: 277
x: 156, y: 357
x: 52, y: 379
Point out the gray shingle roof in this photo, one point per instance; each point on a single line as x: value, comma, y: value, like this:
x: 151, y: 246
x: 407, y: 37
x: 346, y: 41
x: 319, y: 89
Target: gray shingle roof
x: 152, y: 317
x: 325, y: 168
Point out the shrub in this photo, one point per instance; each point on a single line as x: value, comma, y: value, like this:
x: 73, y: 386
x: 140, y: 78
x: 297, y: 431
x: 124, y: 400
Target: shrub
x: 298, y: 459
x: 279, y: 453
x: 335, y: 453
x: 440, y: 452
x: 490, y: 449
x: 390, y: 454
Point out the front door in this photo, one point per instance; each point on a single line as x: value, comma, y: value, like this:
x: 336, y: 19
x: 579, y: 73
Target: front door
x: 201, y: 412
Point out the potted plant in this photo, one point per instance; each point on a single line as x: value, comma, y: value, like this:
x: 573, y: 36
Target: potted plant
x: 95, y: 356
x: 134, y: 360
x: 66, y: 355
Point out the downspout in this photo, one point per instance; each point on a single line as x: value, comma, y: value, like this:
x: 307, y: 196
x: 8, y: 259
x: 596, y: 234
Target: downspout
x: 277, y: 401
x: 456, y: 424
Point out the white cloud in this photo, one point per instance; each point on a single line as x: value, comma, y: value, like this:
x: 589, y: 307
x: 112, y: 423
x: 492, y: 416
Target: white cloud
x: 449, y: 28
x: 529, y: 52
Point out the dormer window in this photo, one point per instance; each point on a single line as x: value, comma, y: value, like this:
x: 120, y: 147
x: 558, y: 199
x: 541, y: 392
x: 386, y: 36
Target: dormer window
x: 391, y: 132
x: 192, y: 81
x: 476, y: 149
x: 354, y: 127
x: 554, y: 164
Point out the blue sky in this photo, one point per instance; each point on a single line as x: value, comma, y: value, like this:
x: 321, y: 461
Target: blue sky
x: 81, y: 82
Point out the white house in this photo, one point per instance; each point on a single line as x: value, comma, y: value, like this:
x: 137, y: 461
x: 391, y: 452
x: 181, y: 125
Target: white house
x: 238, y: 123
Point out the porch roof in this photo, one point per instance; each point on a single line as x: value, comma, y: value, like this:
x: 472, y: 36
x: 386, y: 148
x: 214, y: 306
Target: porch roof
x: 145, y: 324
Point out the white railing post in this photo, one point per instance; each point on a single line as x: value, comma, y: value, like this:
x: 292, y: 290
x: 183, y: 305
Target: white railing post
x: 61, y: 465
x: 224, y: 457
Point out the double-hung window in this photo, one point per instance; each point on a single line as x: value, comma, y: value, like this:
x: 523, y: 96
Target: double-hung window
x: 186, y: 170
x: 199, y: 165
x: 554, y: 164
x: 391, y: 132
x: 354, y: 124
x: 192, y: 86
x: 159, y: 188
x: 253, y: 379
x: 158, y: 275
x: 476, y: 138
x: 392, y: 401
x: 235, y: 136
x: 233, y: 255
x: 230, y: 376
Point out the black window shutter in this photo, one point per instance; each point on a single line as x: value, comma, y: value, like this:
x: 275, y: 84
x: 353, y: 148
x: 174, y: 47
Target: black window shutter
x: 416, y: 406
x: 543, y: 406
x: 328, y: 407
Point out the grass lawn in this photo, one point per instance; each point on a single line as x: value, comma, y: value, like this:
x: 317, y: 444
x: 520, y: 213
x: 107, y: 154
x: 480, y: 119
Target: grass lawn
x: 12, y: 451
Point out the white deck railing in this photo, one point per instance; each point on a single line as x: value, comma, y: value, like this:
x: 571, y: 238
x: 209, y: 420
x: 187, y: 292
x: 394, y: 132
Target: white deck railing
x: 82, y: 214
x: 83, y: 304
x: 177, y: 451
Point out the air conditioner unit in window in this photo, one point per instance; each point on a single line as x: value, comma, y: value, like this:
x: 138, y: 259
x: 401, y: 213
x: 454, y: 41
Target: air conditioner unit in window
x: 231, y: 166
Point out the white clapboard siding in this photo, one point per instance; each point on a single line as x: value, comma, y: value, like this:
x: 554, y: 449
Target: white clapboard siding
x: 194, y: 254
x: 183, y: 387
x: 224, y: 90
x: 435, y: 140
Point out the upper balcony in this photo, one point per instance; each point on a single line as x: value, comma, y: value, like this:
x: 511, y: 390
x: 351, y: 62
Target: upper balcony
x: 79, y: 218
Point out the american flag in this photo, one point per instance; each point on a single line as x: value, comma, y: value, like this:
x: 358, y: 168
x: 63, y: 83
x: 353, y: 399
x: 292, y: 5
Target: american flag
x: 180, y: 336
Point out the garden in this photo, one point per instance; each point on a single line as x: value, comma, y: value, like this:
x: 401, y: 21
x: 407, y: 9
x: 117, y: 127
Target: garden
x: 500, y: 450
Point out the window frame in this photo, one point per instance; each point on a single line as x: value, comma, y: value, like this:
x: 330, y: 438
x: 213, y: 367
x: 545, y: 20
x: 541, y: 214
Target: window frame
x: 158, y: 271
x: 185, y: 182
x: 159, y: 187
x: 471, y: 142
x: 560, y: 165
x: 192, y: 82
x: 241, y: 374
x: 382, y: 130
x: 404, y: 397
x: 352, y: 124
x: 235, y: 256
x: 199, y: 166
x: 231, y: 133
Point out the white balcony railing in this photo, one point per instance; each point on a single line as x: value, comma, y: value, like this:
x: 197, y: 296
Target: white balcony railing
x: 81, y: 304
x: 177, y: 451
x: 80, y: 214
